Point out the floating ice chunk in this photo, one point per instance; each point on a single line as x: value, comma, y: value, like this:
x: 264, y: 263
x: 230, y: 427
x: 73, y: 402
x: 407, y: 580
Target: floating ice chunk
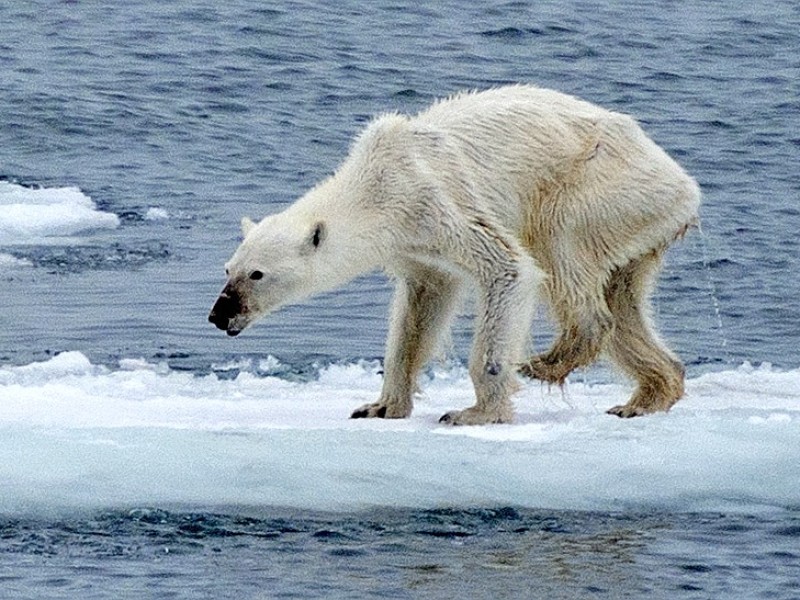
x: 57, y: 368
x: 140, y: 364
x: 9, y: 261
x: 269, y: 365
x: 156, y: 214
x: 28, y: 214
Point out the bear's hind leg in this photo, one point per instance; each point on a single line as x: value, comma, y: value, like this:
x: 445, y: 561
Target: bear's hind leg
x: 577, y: 346
x: 584, y: 323
x: 634, y: 345
x: 423, y: 306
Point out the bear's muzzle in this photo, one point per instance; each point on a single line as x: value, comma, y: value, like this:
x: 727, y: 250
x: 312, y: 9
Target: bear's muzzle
x: 225, y: 310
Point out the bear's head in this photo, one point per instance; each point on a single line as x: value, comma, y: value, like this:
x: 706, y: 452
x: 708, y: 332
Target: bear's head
x: 277, y: 262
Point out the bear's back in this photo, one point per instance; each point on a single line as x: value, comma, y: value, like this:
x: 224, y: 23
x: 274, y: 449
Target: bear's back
x: 507, y: 104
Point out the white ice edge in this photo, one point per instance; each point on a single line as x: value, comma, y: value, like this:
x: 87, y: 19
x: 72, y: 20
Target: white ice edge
x: 76, y: 435
x: 29, y: 215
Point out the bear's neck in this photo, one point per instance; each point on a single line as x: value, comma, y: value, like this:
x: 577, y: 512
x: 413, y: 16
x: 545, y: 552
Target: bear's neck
x: 354, y: 241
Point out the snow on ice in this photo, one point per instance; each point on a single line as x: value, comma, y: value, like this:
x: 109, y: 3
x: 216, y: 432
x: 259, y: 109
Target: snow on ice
x: 76, y: 435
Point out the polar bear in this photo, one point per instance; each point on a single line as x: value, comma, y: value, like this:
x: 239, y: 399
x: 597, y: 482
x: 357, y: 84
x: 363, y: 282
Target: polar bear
x: 518, y: 192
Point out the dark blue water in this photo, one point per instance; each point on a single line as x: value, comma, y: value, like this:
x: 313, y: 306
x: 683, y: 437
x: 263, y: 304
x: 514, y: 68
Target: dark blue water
x: 477, y: 553
x: 215, y: 110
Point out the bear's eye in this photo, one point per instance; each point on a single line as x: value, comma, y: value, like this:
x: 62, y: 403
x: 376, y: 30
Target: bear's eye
x: 256, y: 275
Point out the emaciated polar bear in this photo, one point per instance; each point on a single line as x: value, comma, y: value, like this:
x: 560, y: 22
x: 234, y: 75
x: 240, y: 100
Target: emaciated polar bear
x: 518, y: 192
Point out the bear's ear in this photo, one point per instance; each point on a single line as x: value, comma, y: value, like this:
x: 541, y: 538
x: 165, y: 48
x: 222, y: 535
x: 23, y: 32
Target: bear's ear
x: 247, y: 225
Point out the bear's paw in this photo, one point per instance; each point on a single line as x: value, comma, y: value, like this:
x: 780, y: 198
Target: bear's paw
x: 478, y: 416
x: 382, y: 410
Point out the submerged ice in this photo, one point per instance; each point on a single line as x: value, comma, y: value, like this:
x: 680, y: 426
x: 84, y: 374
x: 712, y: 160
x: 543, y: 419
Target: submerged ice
x: 79, y: 435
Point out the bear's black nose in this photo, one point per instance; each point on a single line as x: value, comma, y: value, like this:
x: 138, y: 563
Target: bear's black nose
x: 225, y: 308
x: 221, y: 321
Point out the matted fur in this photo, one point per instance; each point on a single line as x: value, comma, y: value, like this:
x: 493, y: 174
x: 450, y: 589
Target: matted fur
x: 517, y: 192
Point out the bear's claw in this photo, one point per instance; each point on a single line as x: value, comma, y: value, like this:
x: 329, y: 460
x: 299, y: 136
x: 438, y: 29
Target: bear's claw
x: 625, y: 411
x: 538, y: 368
x: 369, y: 411
x: 448, y: 418
x: 380, y: 410
x: 645, y: 402
x: 474, y: 416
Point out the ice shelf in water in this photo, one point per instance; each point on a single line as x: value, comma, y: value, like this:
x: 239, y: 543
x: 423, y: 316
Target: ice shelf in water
x: 74, y: 435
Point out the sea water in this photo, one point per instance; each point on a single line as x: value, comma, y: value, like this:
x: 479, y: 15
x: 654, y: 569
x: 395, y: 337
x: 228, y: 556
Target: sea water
x: 144, y: 454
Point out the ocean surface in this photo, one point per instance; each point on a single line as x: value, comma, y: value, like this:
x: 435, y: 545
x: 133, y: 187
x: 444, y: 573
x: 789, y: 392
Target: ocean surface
x: 143, y: 454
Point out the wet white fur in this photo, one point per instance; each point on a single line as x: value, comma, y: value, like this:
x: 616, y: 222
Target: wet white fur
x: 519, y: 193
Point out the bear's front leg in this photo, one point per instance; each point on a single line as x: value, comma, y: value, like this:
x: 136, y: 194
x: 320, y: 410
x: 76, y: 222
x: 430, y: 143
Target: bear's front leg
x: 493, y: 390
x: 494, y: 380
x: 423, y: 305
x: 504, y: 317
